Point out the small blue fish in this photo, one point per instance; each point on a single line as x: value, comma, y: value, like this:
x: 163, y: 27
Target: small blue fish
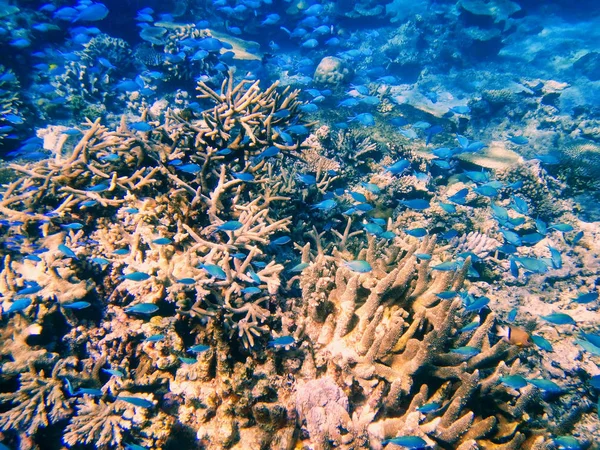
x: 298, y: 268
x: 100, y: 187
x: 423, y: 256
x: 199, y: 348
x: 243, y: 176
x: 140, y: 126
x: 19, y: 305
x: 593, y: 338
x: 188, y: 360
x: 373, y: 228
x: 282, y: 341
x: 398, y: 167
x: 542, y: 343
x: 232, y: 225
x: 470, y: 326
x: 187, y: 281
x: 512, y: 315
x: 142, y: 308
x: 448, y: 207
x: 137, y: 401
x: 429, y: 408
x: 417, y: 232
x: 251, y: 290
x: 576, y: 238
x: 417, y: 204
x: 67, y: 251
x: 89, y: 391
x: 131, y: 210
x: 513, y: 381
x: 215, y: 271
x: 586, y: 298
x: 556, y: 260
x: 32, y: 288
x: 459, y: 197
x: 567, y: 443
x: 466, y: 351
x: 447, y: 295
x: 155, y: 338
x: 359, y: 266
x: 114, y: 372
x: 562, y: 227
x: 72, y: 226
x: 559, y: 319
x: 136, y: 276
x: 358, y: 197
x: 281, y: 240
x: 545, y: 385
x: 325, y: 205
x: 410, y: 442
x: 101, y: 261
x: 519, y: 205
x: 589, y: 347
x: 77, y: 305
x: 162, y: 241
x: 190, y: 168
x: 446, y: 266
x: 477, y: 305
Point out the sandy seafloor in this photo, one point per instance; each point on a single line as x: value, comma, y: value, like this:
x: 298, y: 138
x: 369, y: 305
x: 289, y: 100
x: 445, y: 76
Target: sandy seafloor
x: 300, y: 224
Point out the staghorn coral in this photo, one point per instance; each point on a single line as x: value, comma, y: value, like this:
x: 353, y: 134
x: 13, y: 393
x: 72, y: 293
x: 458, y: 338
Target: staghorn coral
x: 38, y: 402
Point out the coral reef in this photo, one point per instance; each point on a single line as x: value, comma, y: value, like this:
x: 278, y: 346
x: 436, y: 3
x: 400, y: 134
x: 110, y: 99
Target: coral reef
x: 332, y: 71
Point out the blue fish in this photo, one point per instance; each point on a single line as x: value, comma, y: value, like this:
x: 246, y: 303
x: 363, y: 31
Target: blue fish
x: 398, y: 167
x: 447, y: 295
x: 281, y: 240
x: 136, y: 401
x: 410, y: 442
x: 359, y: 266
x: 282, y: 341
x: 298, y: 268
x: 198, y: 348
x: 155, y: 338
x: 562, y: 227
x: 187, y: 281
x: 142, y: 308
x: 567, y: 443
x: 67, y: 251
x: 190, y: 168
x: 325, y: 205
x: 513, y: 381
x: 542, y: 343
x: 459, y: 197
x: 546, y: 385
x: 243, y: 176
x: 477, y: 305
x: 19, y: 305
x: 417, y: 204
x: 136, y: 276
x: 214, y: 271
x: 32, y: 288
x: 446, y: 266
x: 429, y: 408
x: 232, y: 225
x: 559, y: 319
x: 72, y: 226
x: 586, y: 298
x: 114, y: 372
x: 162, y: 241
x: 466, y: 351
x: 77, y: 305
x: 140, y: 126
x: 94, y: 12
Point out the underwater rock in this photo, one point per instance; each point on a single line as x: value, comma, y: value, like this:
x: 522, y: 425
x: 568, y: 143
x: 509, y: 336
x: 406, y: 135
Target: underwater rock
x: 332, y: 71
x: 589, y: 65
x: 496, y: 156
x: 498, y: 10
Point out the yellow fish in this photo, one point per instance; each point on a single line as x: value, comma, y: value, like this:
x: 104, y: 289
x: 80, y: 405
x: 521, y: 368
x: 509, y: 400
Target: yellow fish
x: 515, y: 335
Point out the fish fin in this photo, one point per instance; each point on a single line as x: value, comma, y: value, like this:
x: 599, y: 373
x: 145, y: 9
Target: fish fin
x: 503, y: 332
